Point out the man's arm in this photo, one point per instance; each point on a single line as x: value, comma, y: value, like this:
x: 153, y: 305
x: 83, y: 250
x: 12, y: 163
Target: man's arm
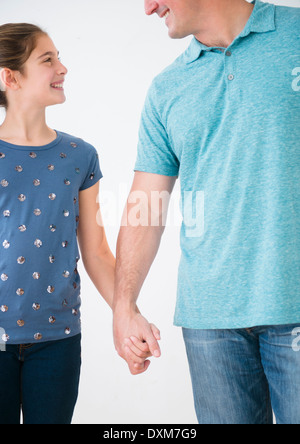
x: 142, y: 227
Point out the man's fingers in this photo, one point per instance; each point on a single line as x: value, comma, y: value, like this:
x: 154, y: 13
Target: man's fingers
x: 137, y: 369
x: 153, y: 345
x: 135, y: 340
x: 155, y: 331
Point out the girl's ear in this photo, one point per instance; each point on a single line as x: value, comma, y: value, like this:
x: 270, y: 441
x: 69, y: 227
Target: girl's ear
x: 8, y: 79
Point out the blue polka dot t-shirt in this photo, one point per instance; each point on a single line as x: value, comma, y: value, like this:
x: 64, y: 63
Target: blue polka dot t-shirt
x: 39, y: 215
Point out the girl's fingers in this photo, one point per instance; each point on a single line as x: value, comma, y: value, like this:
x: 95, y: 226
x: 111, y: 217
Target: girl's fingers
x: 138, y: 348
x: 132, y: 356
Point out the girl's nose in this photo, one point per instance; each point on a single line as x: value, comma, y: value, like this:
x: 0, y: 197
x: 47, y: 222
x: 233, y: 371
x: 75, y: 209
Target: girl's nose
x: 62, y: 69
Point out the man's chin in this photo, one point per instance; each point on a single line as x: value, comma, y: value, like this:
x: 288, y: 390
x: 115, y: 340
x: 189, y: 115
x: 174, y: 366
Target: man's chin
x: 176, y: 34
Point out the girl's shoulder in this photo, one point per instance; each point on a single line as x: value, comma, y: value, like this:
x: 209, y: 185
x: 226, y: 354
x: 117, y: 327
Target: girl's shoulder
x: 75, y: 141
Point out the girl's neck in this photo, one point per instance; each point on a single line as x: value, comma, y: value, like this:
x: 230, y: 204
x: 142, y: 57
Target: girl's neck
x: 26, y: 128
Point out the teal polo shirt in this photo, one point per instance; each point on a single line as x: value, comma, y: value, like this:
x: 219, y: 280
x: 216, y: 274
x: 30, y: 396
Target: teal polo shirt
x: 227, y: 122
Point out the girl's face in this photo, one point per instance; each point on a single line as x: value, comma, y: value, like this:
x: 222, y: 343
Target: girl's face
x: 44, y: 75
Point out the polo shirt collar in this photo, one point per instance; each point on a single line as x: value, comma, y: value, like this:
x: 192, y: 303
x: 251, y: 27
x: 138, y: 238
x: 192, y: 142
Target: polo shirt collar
x: 262, y: 19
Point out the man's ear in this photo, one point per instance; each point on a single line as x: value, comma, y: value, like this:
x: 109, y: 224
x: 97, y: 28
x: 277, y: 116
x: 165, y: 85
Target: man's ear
x: 8, y: 79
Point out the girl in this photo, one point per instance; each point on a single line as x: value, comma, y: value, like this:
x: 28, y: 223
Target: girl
x: 49, y: 182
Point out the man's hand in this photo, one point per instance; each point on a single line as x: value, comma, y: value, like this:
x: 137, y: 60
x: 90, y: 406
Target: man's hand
x: 135, y: 339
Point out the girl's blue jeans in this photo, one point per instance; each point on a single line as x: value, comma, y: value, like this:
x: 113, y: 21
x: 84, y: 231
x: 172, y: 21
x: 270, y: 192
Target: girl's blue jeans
x: 42, y: 379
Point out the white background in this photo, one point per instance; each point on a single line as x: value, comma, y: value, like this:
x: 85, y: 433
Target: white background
x: 112, y: 51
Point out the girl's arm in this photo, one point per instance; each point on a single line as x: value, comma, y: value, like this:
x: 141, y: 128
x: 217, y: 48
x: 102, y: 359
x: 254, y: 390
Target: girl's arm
x: 97, y: 257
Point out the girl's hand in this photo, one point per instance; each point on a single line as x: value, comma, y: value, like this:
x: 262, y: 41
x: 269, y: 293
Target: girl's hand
x: 140, y: 349
x: 135, y: 339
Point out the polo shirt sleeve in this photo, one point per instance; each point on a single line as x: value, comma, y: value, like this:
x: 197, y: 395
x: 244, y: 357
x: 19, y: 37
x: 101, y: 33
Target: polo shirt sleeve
x: 93, y: 172
x: 155, y: 154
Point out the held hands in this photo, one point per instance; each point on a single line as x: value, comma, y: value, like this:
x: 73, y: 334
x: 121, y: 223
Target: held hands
x: 135, y: 339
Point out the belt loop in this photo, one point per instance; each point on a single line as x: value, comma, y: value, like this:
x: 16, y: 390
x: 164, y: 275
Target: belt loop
x: 21, y: 358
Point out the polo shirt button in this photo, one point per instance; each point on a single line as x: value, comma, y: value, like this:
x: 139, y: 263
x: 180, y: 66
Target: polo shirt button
x: 230, y: 77
x: 228, y: 53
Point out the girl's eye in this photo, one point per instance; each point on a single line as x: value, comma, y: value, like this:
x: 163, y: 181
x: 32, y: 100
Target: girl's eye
x: 49, y: 59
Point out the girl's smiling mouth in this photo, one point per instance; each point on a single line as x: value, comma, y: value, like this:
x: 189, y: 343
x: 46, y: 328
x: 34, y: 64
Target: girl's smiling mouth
x: 58, y: 85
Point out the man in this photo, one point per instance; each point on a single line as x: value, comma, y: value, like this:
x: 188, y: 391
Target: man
x: 225, y: 118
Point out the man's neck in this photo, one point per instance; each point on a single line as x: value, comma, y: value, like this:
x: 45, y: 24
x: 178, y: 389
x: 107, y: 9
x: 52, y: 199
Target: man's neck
x: 225, y: 20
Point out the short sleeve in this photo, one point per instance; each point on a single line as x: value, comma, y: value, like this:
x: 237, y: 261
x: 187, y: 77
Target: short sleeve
x: 155, y: 154
x: 94, y: 173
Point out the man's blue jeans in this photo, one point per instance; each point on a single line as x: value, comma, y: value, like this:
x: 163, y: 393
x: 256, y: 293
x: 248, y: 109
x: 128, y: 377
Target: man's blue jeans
x: 43, y: 378
x: 240, y: 376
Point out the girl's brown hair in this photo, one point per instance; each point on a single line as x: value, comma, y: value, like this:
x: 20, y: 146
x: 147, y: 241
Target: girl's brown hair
x: 17, y: 41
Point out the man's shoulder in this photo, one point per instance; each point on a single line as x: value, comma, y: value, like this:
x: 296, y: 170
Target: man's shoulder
x: 288, y: 18
x: 288, y: 10
x: 168, y: 78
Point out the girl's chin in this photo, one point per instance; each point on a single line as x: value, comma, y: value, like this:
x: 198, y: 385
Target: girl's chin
x: 57, y: 101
